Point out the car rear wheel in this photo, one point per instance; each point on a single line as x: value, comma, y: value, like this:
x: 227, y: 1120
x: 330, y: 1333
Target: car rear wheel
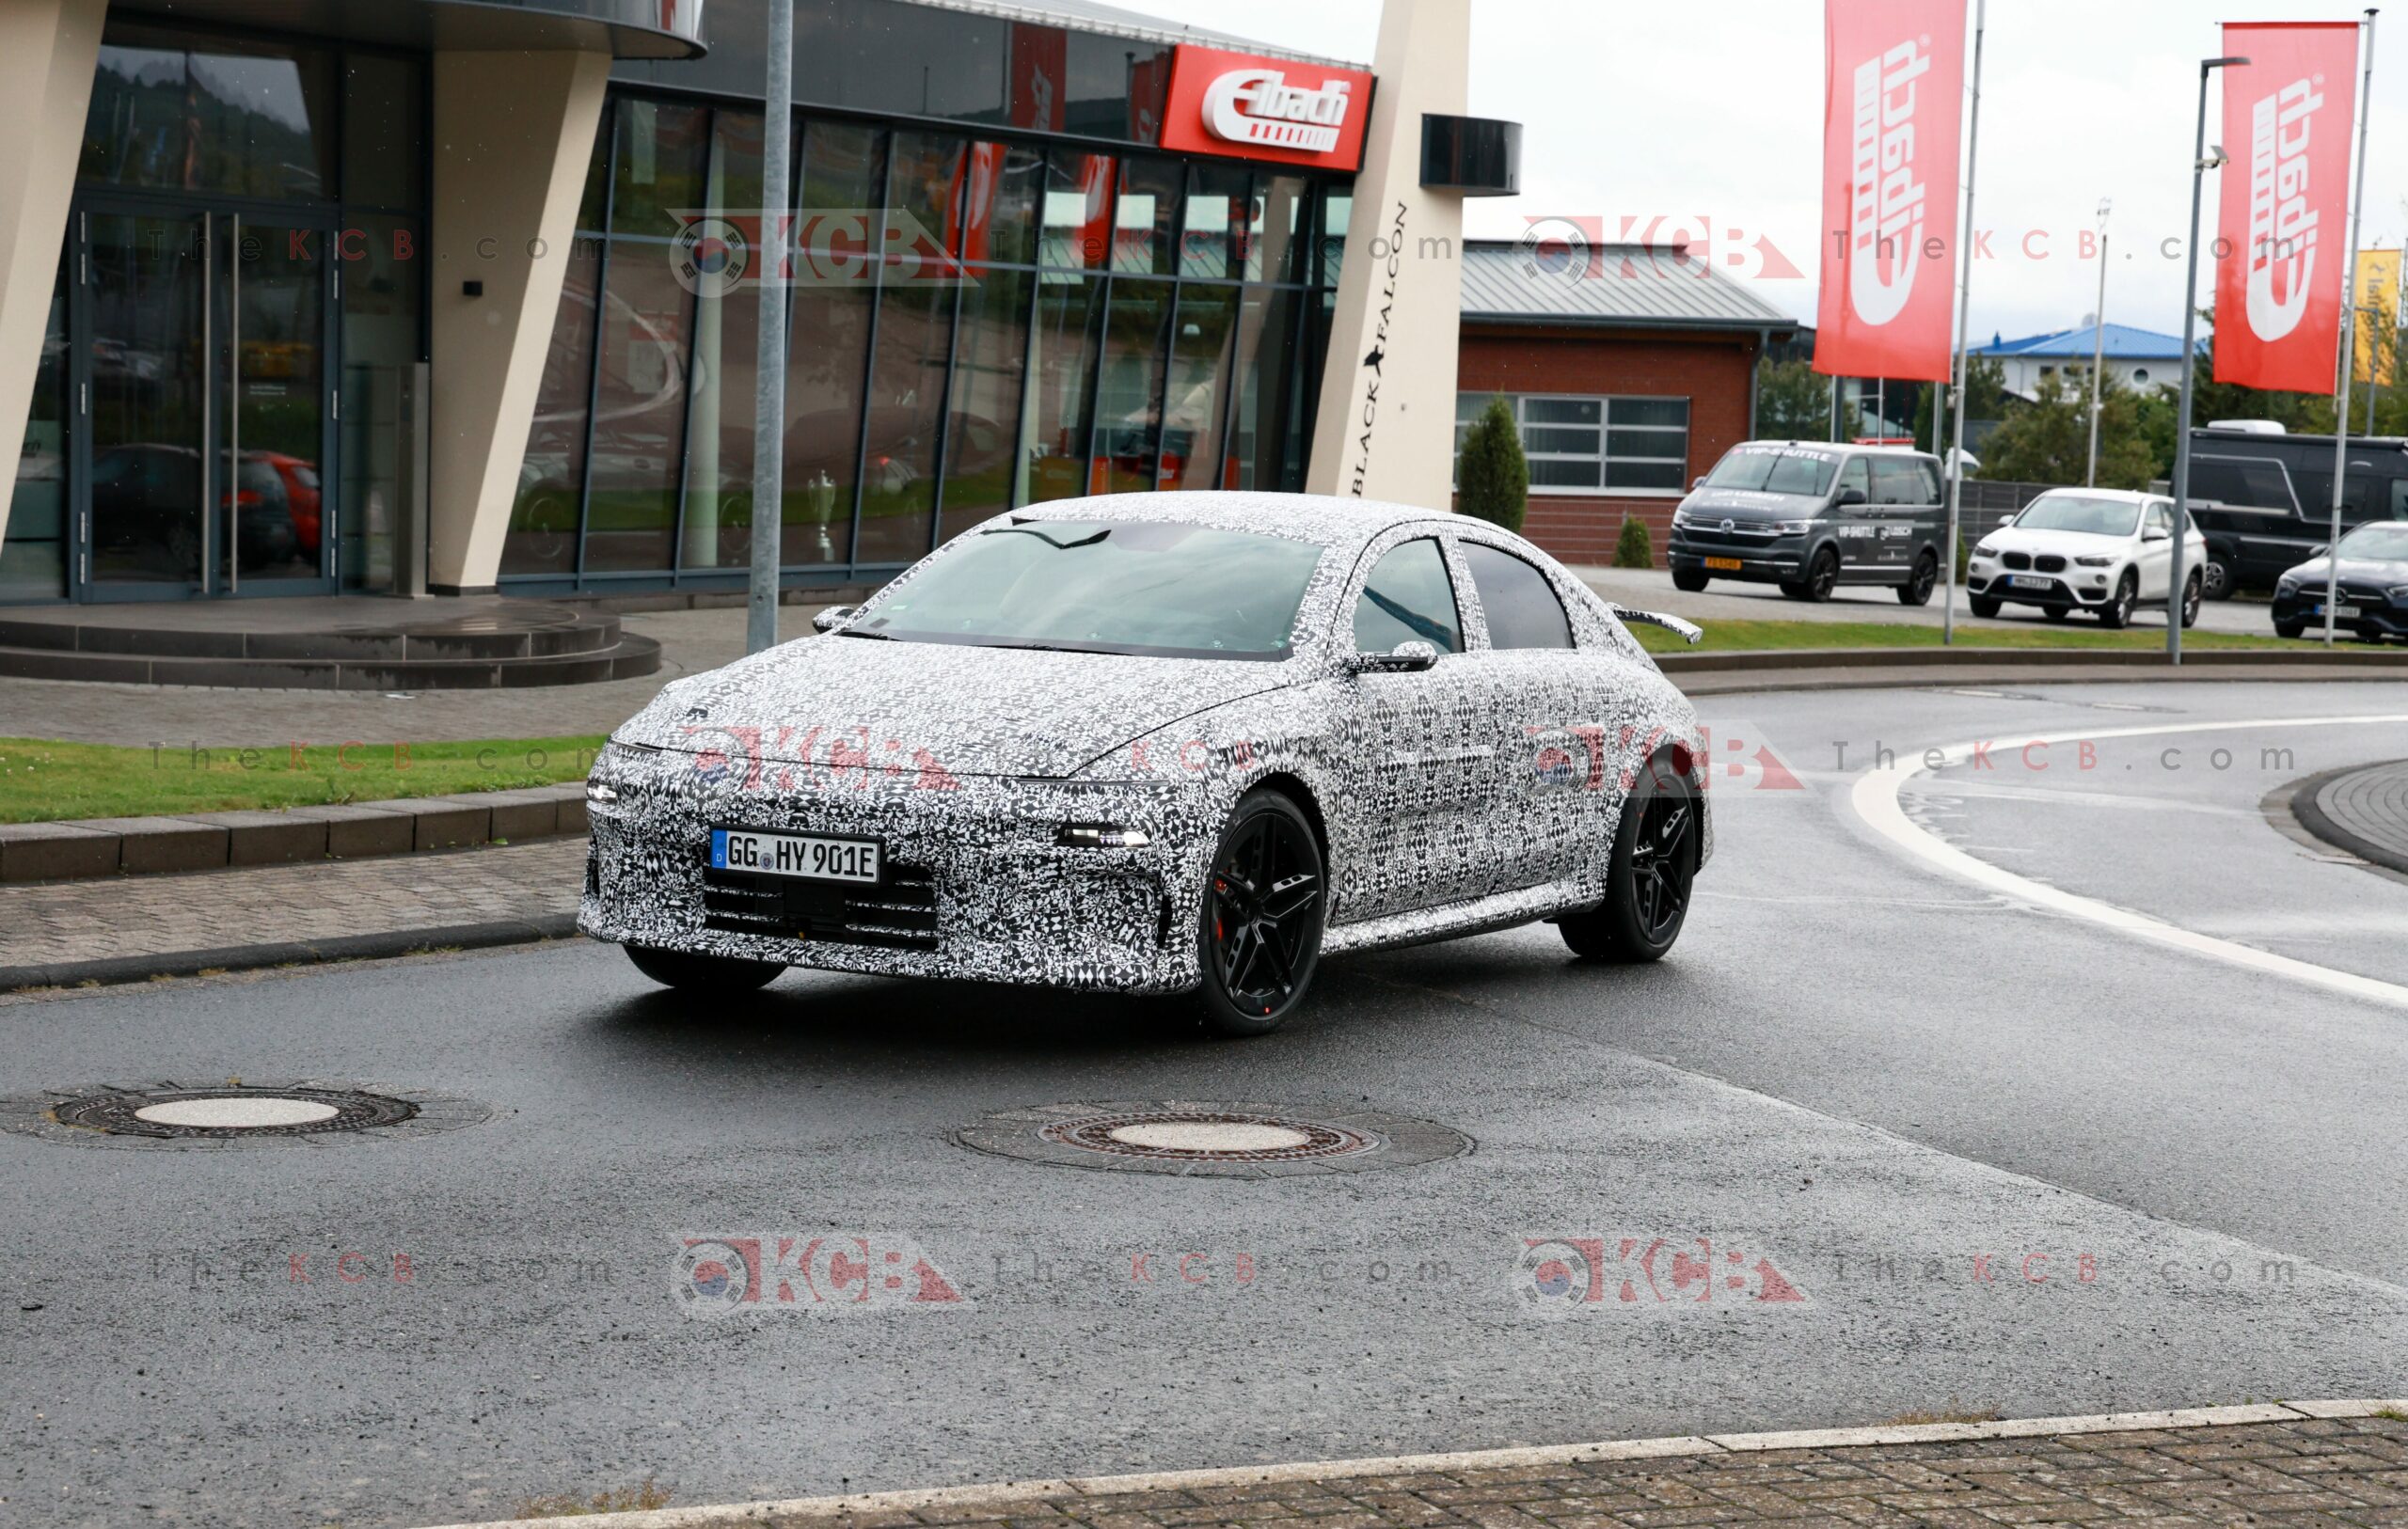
x: 1258, y: 938
x: 2117, y: 612
x: 1917, y: 589
x: 1650, y: 878
x: 2220, y: 584
x: 704, y: 973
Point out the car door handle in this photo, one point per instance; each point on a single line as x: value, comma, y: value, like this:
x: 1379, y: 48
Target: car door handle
x: 1458, y: 756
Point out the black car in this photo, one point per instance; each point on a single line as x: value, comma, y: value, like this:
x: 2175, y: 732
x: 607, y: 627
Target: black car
x: 2374, y: 586
x: 2264, y: 501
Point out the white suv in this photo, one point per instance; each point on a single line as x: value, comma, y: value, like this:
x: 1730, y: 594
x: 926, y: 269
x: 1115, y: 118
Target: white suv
x: 2103, y: 550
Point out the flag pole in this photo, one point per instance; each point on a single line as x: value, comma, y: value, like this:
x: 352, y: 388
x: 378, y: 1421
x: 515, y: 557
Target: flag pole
x: 2349, y: 344
x: 770, y: 382
x: 1964, y: 323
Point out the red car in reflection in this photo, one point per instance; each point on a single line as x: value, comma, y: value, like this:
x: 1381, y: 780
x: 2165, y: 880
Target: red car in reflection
x: 301, y: 496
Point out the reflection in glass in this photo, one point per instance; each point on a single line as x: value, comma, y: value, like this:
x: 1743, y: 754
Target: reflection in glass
x: 381, y: 286
x: 1147, y: 224
x: 279, y: 299
x: 543, y: 532
x: 1220, y: 215
x: 924, y: 195
x: 1063, y: 349
x: 990, y: 358
x: 1192, y: 408
x: 384, y: 131
x: 1078, y: 209
x: 33, y: 561
x: 727, y: 336
x: 1128, y: 395
x: 639, y: 410
x: 149, y: 378
x: 1267, y: 430
x: 844, y: 177
x: 176, y: 111
x: 1282, y: 227
x: 906, y: 404
x: 1004, y: 187
x: 662, y: 151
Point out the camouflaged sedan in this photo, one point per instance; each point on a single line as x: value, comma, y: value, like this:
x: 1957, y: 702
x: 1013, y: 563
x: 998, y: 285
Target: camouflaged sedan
x: 1165, y: 744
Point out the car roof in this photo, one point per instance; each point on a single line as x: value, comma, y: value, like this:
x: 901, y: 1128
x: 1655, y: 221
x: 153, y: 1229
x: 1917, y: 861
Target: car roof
x: 1840, y: 448
x: 1312, y: 517
x: 2126, y: 495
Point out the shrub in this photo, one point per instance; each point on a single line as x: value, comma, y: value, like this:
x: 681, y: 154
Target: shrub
x: 1495, y: 477
x: 1634, y: 550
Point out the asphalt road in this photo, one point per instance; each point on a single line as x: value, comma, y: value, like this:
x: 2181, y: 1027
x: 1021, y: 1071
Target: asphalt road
x: 2014, y: 1160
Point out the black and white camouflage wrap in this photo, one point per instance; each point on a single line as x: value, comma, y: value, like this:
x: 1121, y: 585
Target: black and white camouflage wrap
x: 1480, y: 794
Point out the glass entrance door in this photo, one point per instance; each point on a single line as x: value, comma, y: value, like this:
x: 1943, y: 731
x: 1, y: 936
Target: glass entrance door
x: 205, y: 352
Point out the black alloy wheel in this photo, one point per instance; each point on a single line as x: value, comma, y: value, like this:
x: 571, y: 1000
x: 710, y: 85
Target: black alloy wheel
x: 1919, y: 585
x: 1823, y: 575
x: 1259, y: 936
x: 1652, y: 877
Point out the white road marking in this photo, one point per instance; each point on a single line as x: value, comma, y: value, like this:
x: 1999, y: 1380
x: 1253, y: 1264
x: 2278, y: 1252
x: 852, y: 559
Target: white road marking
x: 1876, y: 799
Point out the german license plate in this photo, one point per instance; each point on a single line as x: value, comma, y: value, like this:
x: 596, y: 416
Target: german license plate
x: 2342, y: 613
x: 1725, y: 565
x: 2026, y: 581
x: 803, y: 856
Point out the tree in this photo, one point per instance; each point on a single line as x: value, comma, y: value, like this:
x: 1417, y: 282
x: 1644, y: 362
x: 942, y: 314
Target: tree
x: 1632, y: 549
x: 2047, y: 440
x: 1985, y: 382
x: 1792, y: 401
x: 1494, y: 482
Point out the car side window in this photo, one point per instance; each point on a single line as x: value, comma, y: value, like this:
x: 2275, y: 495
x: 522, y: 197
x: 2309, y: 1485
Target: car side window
x: 1409, y: 598
x: 1857, y: 475
x: 2160, y: 520
x: 1934, y: 491
x: 1519, y: 603
x: 2400, y: 499
x: 1897, y: 482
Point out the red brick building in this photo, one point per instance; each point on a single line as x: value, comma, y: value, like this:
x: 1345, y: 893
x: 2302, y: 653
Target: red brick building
x: 1630, y: 376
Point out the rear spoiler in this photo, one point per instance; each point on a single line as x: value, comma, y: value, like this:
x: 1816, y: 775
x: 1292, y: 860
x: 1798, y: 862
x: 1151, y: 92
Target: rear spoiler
x: 1691, y: 635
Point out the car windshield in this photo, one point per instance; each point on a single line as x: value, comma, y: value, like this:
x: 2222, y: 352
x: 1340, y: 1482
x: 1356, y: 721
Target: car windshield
x: 1764, y: 471
x: 2377, y: 544
x: 2079, y: 512
x: 1106, y: 587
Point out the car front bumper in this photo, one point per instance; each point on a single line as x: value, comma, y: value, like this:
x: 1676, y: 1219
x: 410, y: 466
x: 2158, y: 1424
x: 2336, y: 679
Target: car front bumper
x: 2378, y: 617
x: 2081, y: 589
x: 1759, y: 560
x: 975, y: 885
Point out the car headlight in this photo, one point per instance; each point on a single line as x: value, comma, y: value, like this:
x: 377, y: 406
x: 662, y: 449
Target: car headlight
x: 2398, y: 593
x: 1985, y: 549
x: 2096, y: 562
x: 1680, y: 520
x: 601, y: 793
x: 1792, y: 528
x: 1103, y: 836
x: 2287, y: 586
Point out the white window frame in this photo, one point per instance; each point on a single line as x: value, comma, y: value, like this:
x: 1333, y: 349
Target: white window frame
x: 1605, y: 429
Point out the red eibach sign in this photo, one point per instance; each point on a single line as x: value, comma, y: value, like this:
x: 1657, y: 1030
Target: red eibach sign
x: 1276, y: 109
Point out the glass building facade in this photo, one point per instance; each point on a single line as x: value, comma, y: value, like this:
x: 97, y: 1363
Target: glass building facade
x: 976, y: 322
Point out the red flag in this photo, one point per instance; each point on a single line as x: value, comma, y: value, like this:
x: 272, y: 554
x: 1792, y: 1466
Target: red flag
x: 2288, y: 118
x: 1893, y: 118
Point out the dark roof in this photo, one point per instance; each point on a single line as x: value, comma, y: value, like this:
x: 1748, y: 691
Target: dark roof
x: 1621, y: 286
x: 1113, y: 21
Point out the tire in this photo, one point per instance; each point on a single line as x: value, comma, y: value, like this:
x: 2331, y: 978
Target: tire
x: 1917, y: 589
x: 2116, y: 613
x: 2057, y: 613
x: 1651, y: 877
x: 1984, y: 607
x: 1689, y: 582
x: 1822, y: 575
x: 2194, y: 591
x: 704, y: 973
x: 2290, y: 630
x: 2221, y: 583
x: 1259, y: 928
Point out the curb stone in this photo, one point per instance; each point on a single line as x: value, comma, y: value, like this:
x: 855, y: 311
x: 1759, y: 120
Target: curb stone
x: 118, y: 970
x: 732, y: 1515
x: 2308, y: 806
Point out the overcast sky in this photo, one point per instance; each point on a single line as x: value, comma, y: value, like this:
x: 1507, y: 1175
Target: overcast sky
x: 1646, y: 109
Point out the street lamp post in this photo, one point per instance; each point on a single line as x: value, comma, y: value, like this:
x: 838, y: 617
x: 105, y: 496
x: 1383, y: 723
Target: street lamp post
x: 2202, y: 162
x: 2099, y: 351
x: 2348, y: 347
x: 1964, y: 341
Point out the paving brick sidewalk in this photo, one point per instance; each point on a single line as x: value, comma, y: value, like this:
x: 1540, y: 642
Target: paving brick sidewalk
x: 51, y: 923
x: 2322, y: 1472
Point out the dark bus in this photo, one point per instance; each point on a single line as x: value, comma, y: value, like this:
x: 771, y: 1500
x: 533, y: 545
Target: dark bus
x: 2265, y: 501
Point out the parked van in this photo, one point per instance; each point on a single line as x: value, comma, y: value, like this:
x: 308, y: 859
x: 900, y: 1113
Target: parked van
x: 2264, y: 499
x: 1811, y: 517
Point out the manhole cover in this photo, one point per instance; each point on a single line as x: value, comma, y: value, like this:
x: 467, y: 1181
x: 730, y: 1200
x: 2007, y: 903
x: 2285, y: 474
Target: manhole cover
x: 1224, y: 1139
x: 173, y: 1115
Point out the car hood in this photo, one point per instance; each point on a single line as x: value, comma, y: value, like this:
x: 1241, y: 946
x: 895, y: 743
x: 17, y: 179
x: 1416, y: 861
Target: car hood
x: 912, y: 706
x: 1746, y: 505
x: 2355, y: 570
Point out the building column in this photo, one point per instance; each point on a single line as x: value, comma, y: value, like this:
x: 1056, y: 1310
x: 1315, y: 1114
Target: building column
x: 48, y: 51
x: 1387, y: 425
x: 514, y: 137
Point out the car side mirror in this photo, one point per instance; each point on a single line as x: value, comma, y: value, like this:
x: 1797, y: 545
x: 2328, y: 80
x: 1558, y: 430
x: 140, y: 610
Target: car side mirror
x: 2157, y: 533
x: 1851, y: 498
x: 1408, y: 658
x: 832, y: 618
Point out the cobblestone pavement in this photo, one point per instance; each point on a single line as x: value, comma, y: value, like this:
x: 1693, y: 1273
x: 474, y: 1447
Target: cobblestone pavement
x: 80, y: 921
x: 2322, y: 1472
x: 2372, y: 805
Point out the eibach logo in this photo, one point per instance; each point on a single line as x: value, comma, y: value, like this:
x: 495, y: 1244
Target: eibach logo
x: 2282, y: 228
x: 1257, y: 106
x: 1557, y: 1275
x: 717, y: 1276
x: 1889, y: 207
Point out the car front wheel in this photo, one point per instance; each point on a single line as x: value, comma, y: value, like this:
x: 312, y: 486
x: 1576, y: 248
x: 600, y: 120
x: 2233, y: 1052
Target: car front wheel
x: 2191, y: 596
x: 1259, y: 938
x: 704, y: 973
x: 1650, y: 878
x: 1689, y: 581
x: 2117, y: 612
